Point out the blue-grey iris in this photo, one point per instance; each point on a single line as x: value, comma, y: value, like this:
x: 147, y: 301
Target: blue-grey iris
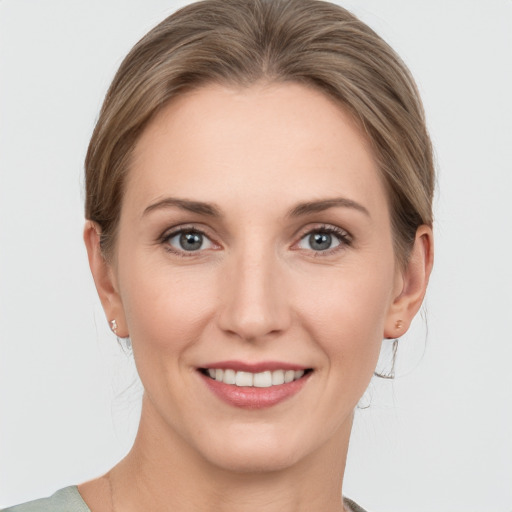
x: 191, y: 241
x: 320, y: 241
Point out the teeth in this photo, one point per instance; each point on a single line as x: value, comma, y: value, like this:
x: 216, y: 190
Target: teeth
x: 258, y: 380
x: 243, y: 379
x: 229, y: 377
x: 289, y: 375
x: 262, y: 380
x: 277, y: 377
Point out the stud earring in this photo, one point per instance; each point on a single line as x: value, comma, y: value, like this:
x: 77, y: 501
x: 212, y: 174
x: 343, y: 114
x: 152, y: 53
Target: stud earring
x: 113, y: 326
x: 398, y: 324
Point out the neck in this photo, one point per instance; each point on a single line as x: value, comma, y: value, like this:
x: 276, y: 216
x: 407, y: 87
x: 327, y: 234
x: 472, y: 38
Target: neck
x: 170, y: 476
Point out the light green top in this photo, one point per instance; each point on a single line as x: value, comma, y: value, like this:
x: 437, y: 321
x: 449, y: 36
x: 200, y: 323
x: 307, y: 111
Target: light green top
x: 69, y: 500
x: 65, y: 500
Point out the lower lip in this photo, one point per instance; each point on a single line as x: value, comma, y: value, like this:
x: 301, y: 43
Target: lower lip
x: 252, y: 397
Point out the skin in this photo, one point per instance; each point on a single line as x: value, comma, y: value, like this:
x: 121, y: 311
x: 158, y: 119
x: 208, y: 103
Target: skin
x: 257, y: 290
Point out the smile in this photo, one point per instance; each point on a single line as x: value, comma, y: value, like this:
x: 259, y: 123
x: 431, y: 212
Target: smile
x: 254, y: 386
x: 263, y: 379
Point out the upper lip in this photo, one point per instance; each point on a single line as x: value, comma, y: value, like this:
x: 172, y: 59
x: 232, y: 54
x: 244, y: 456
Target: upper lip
x: 254, y: 367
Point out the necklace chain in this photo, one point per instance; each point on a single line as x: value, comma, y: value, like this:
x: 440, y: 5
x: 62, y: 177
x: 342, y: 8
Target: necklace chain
x: 112, y: 508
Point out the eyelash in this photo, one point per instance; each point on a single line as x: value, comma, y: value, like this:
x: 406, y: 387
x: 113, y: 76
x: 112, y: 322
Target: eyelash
x: 344, y: 238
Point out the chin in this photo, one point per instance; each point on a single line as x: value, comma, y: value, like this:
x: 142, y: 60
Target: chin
x: 263, y: 461
x: 255, y: 452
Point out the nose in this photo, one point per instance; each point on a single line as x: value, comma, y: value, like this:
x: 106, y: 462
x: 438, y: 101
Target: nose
x: 253, y: 297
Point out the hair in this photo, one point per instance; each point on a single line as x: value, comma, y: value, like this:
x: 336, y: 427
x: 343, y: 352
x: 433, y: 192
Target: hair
x: 242, y: 42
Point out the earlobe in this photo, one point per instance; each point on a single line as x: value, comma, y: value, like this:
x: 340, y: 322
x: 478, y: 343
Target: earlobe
x: 414, y: 281
x: 104, y: 279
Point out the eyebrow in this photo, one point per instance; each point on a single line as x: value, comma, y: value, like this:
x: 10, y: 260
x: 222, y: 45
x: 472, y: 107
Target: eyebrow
x: 208, y: 209
x: 211, y: 210
x: 324, y: 204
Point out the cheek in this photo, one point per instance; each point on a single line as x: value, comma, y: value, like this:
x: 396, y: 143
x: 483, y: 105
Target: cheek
x: 166, y: 307
x: 349, y: 331
x: 345, y: 313
x: 167, y: 311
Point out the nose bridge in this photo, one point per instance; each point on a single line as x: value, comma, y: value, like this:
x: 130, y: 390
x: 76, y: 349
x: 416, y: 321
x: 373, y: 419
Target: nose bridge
x: 254, y: 299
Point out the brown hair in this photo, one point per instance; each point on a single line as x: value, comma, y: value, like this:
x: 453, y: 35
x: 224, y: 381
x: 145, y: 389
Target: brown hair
x: 240, y: 42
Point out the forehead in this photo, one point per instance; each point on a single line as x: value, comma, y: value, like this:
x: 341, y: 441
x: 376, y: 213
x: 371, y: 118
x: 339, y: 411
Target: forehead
x: 265, y: 142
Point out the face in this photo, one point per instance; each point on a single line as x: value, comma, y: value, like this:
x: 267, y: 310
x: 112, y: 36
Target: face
x: 254, y: 249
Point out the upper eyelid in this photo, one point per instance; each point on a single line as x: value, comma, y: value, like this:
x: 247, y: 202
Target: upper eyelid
x: 180, y: 228
x: 324, y: 227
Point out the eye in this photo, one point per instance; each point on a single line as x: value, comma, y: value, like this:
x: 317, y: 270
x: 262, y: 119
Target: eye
x: 324, y: 239
x: 187, y: 240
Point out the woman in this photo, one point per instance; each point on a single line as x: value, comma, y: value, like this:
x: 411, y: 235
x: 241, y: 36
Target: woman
x: 258, y: 195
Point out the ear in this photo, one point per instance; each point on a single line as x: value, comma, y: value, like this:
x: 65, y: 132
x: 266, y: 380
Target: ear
x: 411, y: 284
x: 104, y: 279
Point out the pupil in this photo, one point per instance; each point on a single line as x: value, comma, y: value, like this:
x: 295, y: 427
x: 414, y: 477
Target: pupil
x: 320, y: 241
x: 191, y: 241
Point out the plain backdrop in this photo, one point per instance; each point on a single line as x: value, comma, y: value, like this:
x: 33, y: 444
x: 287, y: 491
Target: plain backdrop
x: 438, y: 438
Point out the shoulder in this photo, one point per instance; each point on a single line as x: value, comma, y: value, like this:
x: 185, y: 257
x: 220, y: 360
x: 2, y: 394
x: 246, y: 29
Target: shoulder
x: 352, y: 506
x: 65, y: 500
